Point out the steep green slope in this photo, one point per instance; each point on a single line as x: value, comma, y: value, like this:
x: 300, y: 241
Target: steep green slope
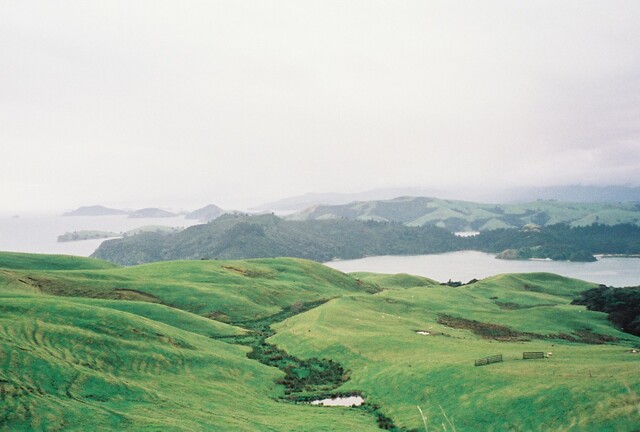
x: 466, y: 216
x: 591, y: 381
x: 70, y: 366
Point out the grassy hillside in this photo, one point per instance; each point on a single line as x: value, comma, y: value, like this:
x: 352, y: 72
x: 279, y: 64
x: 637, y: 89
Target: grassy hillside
x: 80, y: 367
x: 468, y: 216
x: 223, y: 290
x: 71, y: 359
x: 181, y: 346
x: 585, y: 385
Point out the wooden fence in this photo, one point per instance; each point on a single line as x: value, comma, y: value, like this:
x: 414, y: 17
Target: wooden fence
x: 532, y: 355
x: 487, y: 360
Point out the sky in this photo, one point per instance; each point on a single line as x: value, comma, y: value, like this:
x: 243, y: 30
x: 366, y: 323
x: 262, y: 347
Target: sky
x: 179, y: 104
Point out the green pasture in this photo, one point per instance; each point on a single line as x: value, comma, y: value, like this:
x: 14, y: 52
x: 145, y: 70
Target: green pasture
x: 85, y: 345
x: 580, y: 387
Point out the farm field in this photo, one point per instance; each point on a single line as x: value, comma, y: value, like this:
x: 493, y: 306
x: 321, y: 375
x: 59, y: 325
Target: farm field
x: 181, y: 346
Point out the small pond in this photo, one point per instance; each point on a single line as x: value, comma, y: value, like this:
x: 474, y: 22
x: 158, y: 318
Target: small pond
x: 340, y: 401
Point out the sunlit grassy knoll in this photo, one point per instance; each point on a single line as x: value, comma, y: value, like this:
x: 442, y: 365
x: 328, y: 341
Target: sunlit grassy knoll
x: 580, y: 387
x: 401, y: 280
x: 224, y: 290
x: 67, y: 365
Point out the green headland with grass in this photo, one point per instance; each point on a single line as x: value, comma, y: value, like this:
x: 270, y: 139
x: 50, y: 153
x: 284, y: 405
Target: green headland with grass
x: 243, y: 345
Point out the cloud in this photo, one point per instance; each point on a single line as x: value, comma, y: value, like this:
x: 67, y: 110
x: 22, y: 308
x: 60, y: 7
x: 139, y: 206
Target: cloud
x: 250, y: 101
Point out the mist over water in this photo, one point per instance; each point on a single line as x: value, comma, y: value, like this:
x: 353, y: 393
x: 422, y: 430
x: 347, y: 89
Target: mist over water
x: 39, y: 233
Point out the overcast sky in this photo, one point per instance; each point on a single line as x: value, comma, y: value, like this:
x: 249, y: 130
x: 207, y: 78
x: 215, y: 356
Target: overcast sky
x: 185, y: 103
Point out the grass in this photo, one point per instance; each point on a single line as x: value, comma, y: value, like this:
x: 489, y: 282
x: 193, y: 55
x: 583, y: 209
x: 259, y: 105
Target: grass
x: 94, y: 364
x: 27, y: 261
x: 225, y: 290
x: 581, y: 387
x: 86, y: 345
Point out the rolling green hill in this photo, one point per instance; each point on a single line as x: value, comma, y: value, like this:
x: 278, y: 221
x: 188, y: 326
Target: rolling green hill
x: 81, y: 362
x: 85, y: 345
x: 590, y: 382
x: 469, y: 216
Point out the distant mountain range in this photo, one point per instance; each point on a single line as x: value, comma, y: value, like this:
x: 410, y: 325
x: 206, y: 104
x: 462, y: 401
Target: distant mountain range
x: 468, y: 216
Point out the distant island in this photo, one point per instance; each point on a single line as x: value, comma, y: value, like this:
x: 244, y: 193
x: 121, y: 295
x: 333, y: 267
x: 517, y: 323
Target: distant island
x: 151, y: 212
x: 95, y: 234
x: 204, y: 214
x: 96, y: 210
x: 86, y: 235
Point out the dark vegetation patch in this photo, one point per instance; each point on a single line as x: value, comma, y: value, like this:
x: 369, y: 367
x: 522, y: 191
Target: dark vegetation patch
x: 251, y: 273
x: 62, y: 288
x: 310, y: 376
x: 516, y: 306
x: 384, y: 422
x: 506, y: 334
x: 219, y: 316
x: 622, y: 305
x: 585, y: 336
x: 456, y: 284
x: 486, y: 330
x: 135, y: 295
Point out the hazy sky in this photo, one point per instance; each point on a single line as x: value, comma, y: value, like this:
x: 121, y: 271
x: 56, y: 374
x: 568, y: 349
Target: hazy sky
x: 185, y: 103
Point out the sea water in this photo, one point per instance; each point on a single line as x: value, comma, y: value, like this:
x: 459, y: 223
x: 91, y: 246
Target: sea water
x: 466, y: 265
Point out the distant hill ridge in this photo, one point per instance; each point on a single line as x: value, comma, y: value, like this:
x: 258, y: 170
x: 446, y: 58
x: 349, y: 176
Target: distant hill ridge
x: 264, y: 236
x: 469, y: 216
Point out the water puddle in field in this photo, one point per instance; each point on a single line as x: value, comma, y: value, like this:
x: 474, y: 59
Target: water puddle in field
x: 340, y: 401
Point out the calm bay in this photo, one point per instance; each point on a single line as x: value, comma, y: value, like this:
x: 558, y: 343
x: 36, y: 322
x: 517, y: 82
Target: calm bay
x: 466, y: 265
